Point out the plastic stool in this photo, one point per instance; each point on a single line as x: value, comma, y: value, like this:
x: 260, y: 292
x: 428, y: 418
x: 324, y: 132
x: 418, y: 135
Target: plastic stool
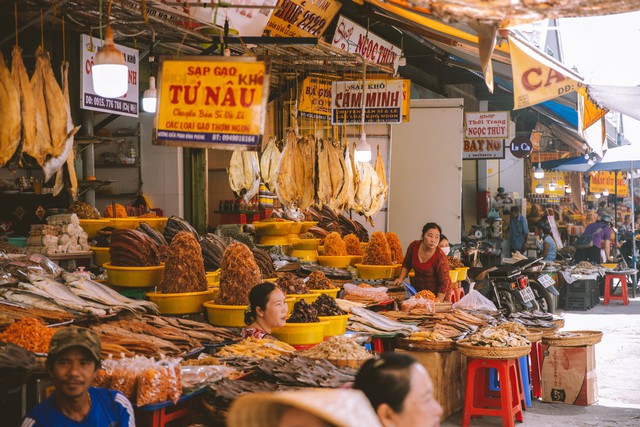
x: 608, y: 282
x: 536, y: 368
x: 494, y: 381
x: 456, y: 294
x: 507, y: 405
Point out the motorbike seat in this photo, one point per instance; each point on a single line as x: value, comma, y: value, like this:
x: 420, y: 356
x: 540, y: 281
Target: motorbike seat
x: 504, y: 272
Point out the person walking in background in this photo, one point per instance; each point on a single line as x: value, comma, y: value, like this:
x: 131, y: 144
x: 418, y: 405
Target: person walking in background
x: 518, y: 230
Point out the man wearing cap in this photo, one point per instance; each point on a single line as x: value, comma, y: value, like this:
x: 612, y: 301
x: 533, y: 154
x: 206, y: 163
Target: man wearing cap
x: 600, y: 233
x: 72, y: 362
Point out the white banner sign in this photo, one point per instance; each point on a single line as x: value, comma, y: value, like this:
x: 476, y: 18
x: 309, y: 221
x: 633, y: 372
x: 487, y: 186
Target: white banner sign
x: 126, y: 105
x: 489, y: 124
x: 383, y: 102
x: 353, y: 38
x: 483, y: 149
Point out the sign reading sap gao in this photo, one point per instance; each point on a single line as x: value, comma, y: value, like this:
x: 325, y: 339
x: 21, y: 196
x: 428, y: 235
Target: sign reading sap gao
x: 520, y: 147
x: 126, y: 105
x: 491, y: 124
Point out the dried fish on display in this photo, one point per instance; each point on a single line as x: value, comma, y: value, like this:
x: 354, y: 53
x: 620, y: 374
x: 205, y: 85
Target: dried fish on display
x: 354, y: 247
x: 269, y: 164
x: 184, y: 269
x: 239, y: 274
x: 290, y: 179
x: 493, y: 337
x: 244, y: 174
x: 369, y: 196
x: 133, y: 248
x: 308, y: 149
x: 175, y: 225
x: 377, y: 252
x: 10, y: 112
x: 213, y: 248
x: 379, y: 168
x: 27, y: 105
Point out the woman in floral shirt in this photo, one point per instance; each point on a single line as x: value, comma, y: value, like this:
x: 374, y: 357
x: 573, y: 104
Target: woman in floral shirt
x: 267, y: 310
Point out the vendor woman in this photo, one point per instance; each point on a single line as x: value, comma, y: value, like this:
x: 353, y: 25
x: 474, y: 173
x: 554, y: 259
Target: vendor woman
x: 429, y: 263
x: 267, y: 311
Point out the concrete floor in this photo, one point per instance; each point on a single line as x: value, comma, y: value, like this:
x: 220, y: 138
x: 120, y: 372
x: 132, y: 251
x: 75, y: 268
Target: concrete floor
x: 617, y: 367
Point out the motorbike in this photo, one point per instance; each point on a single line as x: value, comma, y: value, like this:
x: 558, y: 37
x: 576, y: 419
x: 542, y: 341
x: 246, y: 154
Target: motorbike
x: 544, y: 295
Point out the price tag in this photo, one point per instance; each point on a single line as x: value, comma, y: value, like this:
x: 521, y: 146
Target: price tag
x: 546, y: 280
x: 527, y: 294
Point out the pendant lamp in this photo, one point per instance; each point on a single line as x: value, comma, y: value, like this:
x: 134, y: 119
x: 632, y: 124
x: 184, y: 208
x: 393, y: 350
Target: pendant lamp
x: 552, y: 186
x: 363, y: 150
x: 538, y: 173
x: 150, y: 97
x: 539, y: 189
x: 110, y: 72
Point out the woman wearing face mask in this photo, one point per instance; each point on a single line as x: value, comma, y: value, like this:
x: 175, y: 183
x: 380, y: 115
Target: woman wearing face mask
x: 267, y: 310
x: 400, y: 391
x: 444, y: 244
x: 429, y: 263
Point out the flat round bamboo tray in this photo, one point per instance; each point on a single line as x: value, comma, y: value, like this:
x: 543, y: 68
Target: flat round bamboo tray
x: 546, y: 332
x: 573, y: 338
x: 502, y: 353
x: 347, y: 363
x: 424, y: 345
x: 533, y: 336
x: 559, y: 322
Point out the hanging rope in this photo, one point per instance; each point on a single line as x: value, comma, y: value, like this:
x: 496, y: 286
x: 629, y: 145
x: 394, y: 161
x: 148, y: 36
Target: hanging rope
x: 15, y: 17
x: 64, y: 43
x: 41, y: 29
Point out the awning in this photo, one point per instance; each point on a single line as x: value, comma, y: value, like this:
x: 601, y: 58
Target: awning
x: 625, y: 100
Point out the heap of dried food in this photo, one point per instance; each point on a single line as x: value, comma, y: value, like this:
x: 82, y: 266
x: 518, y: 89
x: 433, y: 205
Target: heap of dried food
x: 84, y: 210
x: 354, y: 247
x: 337, y: 348
x: 330, y: 272
x: 155, y: 235
x: 454, y: 263
x: 8, y: 248
x: 175, y: 225
x: 327, y: 306
x: 493, y: 337
x: 513, y: 327
x: 395, y: 247
x: 16, y: 364
x: 427, y: 336
x: 334, y: 245
x: 29, y: 333
x: 378, y: 252
x: 290, y: 284
x: 318, y: 280
x: 239, y: 274
x: 328, y: 220
x: 303, y: 313
x: 184, y: 270
x: 213, y: 248
x: 307, y: 235
x: 536, y: 319
x: 350, y: 226
x: 263, y: 259
x: 120, y: 211
x: 11, y: 314
x: 428, y: 295
x: 259, y: 348
x: 132, y: 248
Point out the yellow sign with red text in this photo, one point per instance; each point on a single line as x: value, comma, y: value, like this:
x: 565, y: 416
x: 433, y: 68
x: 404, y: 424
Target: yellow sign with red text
x: 556, y: 177
x: 204, y: 103
x: 302, y: 18
x: 602, y: 181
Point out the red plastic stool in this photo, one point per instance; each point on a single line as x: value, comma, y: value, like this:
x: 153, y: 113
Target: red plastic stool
x: 456, y: 294
x: 477, y: 400
x: 608, y: 282
x: 536, y: 368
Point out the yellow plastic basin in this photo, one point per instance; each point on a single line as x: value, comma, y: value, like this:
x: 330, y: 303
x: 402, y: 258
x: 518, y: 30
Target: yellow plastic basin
x: 231, y: 316
x: 337, y: 324
x: 462, y: 273
x: 100, y: 255
x: 333, y: 293
x: 309, y: 298
x: 356, y: 259
x: 134, y: 277
x: 305, y: 244
x: 306, y: 225
x: 92, y: 226
x: 301, y: 333
x: 274, y: 240
x: 124, y: 223
x: 308, y: 255
x: 376, y: 272
x: 156, y: 222
x: 320, y: 249
x: 453, y: 275
x: 610, y: 265
x: 295, y: 228
x: 335, y: 261
x: 274, y: 228
x: 180, y: 303
x: 213, y: 277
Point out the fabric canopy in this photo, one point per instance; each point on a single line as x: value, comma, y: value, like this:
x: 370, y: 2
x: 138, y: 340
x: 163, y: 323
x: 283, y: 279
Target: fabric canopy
x: 625, y: 100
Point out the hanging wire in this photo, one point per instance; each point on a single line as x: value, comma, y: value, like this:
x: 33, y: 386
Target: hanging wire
x: 41, y: 29
x: 100, y: 18
x: 64, y: 43
x: 15, y: 17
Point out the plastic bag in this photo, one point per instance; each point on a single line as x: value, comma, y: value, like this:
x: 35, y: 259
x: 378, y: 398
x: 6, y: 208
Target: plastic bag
x: 421, y: 303
x: 377, y: 294
x: 474, y: 300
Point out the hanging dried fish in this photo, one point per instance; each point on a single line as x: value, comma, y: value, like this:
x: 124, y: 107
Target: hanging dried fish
x: 289, y: 183
x: 244, y: 174
x: 10, y: 113
x: 269, y: 164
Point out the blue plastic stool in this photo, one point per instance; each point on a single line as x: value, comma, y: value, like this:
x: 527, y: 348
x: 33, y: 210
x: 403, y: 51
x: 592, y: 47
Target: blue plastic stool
x: 494, y: 382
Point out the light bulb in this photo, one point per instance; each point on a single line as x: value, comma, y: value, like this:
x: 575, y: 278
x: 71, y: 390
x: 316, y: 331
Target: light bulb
x: 363, y: 150
x: 538, y: 173
x: 150, y: 97
x: 586, y: 156
x: 583, y: 192
x: 591, y: 162
x: 552, y: 186
x: 605, y: 193
x: 567, y: 190
x: 539, y: 189
x: 597, y: 195
x: 110, y: 73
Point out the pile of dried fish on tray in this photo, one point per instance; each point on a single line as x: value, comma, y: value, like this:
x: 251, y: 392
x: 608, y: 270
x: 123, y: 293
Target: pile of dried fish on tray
x: 454, y: 325
x: 363, y: 320
x: 537, y: 319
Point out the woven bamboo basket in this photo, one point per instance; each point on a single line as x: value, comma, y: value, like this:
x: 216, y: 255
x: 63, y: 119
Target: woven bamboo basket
x: 423, y: 345
x: 347, y: 363
x: 573, y: 338
x: 533, y: 336
x: 546, y: 332
x: 502, y: 353
x: 399, y: 296
x: 559, y: 323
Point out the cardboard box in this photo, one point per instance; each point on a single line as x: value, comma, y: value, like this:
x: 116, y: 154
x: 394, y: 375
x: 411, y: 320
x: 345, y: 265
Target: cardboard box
x: 569, y: 375
x: 448, y: 372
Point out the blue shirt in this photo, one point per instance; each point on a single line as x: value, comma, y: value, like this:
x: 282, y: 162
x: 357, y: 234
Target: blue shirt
x: 109, y: 408
x: 518, y: 230
x: 551, y: 255
x: 600, y: 231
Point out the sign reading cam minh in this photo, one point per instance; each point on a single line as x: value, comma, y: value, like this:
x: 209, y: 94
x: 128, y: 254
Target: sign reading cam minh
x: 383, y: 102
x: 483, y: 149
x: 490, y: 124
x: 218, y: 103
x: 353, y: 38
x: 302, y: 18
x: 126, y: 105
x: 520, y: 147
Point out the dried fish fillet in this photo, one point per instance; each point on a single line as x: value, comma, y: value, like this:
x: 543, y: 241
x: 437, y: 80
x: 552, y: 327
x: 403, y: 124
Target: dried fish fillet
x: 10, y: 113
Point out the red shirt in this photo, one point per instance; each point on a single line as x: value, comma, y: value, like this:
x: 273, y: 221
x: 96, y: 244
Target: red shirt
x: 432, y: 275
